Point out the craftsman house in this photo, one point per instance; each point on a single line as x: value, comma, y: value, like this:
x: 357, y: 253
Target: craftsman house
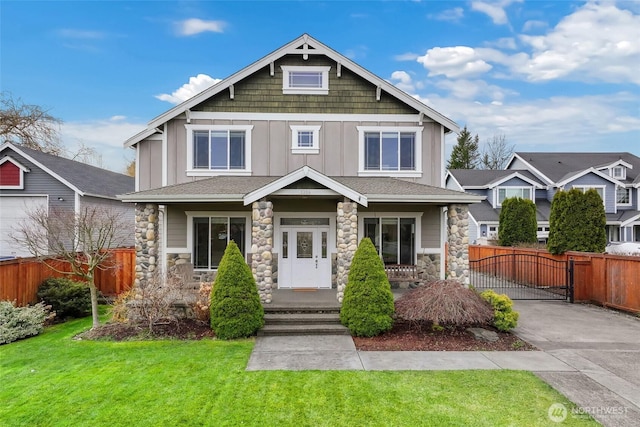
x: 31, y: 180
x: 296, y: 158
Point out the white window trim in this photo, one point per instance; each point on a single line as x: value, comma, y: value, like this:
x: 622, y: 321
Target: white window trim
x: 623, y: 174
x: 497, y: 189
x: 223, y: 214
x: 286, y: 89
x: 417, y: 173
x: 630, y: 191
x: 295, y: 149
x: 191, y: 171
x: 584, y: 188
x: 415, y: 215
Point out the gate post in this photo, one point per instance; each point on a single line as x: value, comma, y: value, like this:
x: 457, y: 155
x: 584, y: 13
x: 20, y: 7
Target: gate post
x: 570, y: 277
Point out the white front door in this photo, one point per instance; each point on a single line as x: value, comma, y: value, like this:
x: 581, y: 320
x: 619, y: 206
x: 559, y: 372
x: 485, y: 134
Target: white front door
x: 305, y: 261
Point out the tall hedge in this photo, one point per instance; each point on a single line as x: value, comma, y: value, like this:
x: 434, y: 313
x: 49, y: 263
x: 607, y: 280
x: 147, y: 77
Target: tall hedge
x: 517, y: 222
x: 577, y: 222
x: 367, y: 307
x: 236, y: 310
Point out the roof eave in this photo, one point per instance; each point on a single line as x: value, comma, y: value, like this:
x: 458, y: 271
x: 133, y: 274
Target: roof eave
x: 180, y: 198
x: 464, y: 198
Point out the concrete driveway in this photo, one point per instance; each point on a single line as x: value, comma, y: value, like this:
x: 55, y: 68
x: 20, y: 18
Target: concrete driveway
x: 603, y: 346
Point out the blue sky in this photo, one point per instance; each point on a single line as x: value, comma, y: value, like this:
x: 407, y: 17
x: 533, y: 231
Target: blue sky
x: 548, y: 75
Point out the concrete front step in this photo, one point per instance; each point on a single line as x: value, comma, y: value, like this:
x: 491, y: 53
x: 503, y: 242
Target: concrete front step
x: 306, y: 329
x: 301, y: 318
x: 301, y: 309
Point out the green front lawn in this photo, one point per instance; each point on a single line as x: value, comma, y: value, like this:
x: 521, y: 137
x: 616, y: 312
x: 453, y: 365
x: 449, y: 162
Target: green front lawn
x: 54, y: 380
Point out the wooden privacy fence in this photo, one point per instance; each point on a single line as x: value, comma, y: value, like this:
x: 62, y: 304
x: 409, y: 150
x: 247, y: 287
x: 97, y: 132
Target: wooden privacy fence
x: 609, y: 280
x: 20, y: 277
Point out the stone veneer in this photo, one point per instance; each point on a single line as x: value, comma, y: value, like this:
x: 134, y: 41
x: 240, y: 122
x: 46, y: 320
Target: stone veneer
x: 429, y: 265
x: 458, y: 238
x: 262, y: 248
x: 146, y: 235
x: 347, y: 242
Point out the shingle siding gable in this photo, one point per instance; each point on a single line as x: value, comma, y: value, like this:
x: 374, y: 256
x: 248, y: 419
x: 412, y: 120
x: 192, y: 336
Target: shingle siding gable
x: 348, y: 94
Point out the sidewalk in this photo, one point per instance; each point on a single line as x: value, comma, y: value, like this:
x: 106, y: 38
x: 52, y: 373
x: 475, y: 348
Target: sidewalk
x: 589, y: 354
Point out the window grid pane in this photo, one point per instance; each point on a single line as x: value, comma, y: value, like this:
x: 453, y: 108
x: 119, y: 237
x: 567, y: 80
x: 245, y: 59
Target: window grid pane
x: 372, y: 151
x: 219, y: 149
x: 390, y: 148
x: 305, y: 79
x: 305, y: 139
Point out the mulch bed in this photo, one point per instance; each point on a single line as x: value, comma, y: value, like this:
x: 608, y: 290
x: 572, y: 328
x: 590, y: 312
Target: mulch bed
x: 404, y: 337
x: 187, y: 329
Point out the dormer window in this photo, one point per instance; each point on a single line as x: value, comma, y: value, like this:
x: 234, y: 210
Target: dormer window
x: 305, y: 80
x: 508, y: 192
x: 619, y: 172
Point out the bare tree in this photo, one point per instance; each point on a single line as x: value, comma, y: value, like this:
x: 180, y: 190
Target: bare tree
x: 82, y: 239
x: 497, y: 151
x: 131, y: 168
x: 29, y: 125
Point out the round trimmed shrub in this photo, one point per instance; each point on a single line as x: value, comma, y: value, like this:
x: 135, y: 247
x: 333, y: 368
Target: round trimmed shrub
x: 367, y: 307
x: 236, y: 310
x: 505, y: 318
x: 443, y: 303
x: 67, y: 298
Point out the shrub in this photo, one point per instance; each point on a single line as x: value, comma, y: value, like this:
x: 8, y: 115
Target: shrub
x: 517, y: 222
x: 67, y: 298
x: 202, y: 308
x: 236, y: 310
x: 120, y: 307
x: 154, y: 300
x: 505, y: 318
x: 577, y: 222
x: 21, y: 322
x: 367, y: 307
x: 443, y: 302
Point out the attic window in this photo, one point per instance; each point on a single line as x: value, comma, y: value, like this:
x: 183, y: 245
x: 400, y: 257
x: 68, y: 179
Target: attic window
x: 305, y: 80
x: 618, y: 172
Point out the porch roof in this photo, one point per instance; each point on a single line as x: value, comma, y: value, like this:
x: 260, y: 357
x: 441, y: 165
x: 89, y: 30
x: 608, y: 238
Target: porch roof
x: 241, y: 188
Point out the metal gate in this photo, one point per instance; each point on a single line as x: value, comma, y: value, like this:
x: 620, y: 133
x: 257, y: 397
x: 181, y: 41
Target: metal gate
x: 524, y: 276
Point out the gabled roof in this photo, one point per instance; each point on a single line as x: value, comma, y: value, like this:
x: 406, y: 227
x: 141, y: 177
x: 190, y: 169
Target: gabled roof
x: 480, y: 178
x: 247, y: 189
x: 558, y: 166
x: 303, y: 45
x: 573, y: 176
x: 82, y: 178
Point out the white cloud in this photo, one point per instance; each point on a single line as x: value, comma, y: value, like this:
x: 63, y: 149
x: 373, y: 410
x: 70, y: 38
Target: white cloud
x: 533, y: 25
x: 494, y: 10
x: 503, y: 43
x: 598, y: 42
x: 403, y: 81
x: 406, y: 57
x: 450, y: 15
x: 454, y: 62
x: 72, y: 33
x: 105, y: 136
x: 557, y: 123
x: 193, y: 26
x: 475, y: 90
x: 196, y: 85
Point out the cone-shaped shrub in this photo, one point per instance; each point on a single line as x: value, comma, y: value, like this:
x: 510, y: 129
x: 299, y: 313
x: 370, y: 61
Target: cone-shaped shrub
x: 367, y: 307
x: 517, y: 222
x: 236, y: 310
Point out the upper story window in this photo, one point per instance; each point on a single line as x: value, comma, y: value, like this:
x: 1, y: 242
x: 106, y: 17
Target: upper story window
x: 218, y: 149
x: 508, y: 192
x: 390, y: 151
x: 619, y: 172
x: 305, y: 139
x: 585, y: 188
x: 623, y: 196
x: 305, y: 80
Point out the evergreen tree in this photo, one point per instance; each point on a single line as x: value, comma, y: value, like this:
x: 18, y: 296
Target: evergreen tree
x: 517, y: 222
x: 465, y: 154
x: 367, y: 308
x: 577, y: 222
x: 236, y: 310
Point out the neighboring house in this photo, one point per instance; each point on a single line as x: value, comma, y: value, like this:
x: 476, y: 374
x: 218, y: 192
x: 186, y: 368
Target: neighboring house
x: 30, y: 179
x: 296, y: 158
x: 538, y: 176
x: 497, y: 185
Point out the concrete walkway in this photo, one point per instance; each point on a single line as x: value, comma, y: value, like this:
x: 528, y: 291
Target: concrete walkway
x: 590, y: 354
